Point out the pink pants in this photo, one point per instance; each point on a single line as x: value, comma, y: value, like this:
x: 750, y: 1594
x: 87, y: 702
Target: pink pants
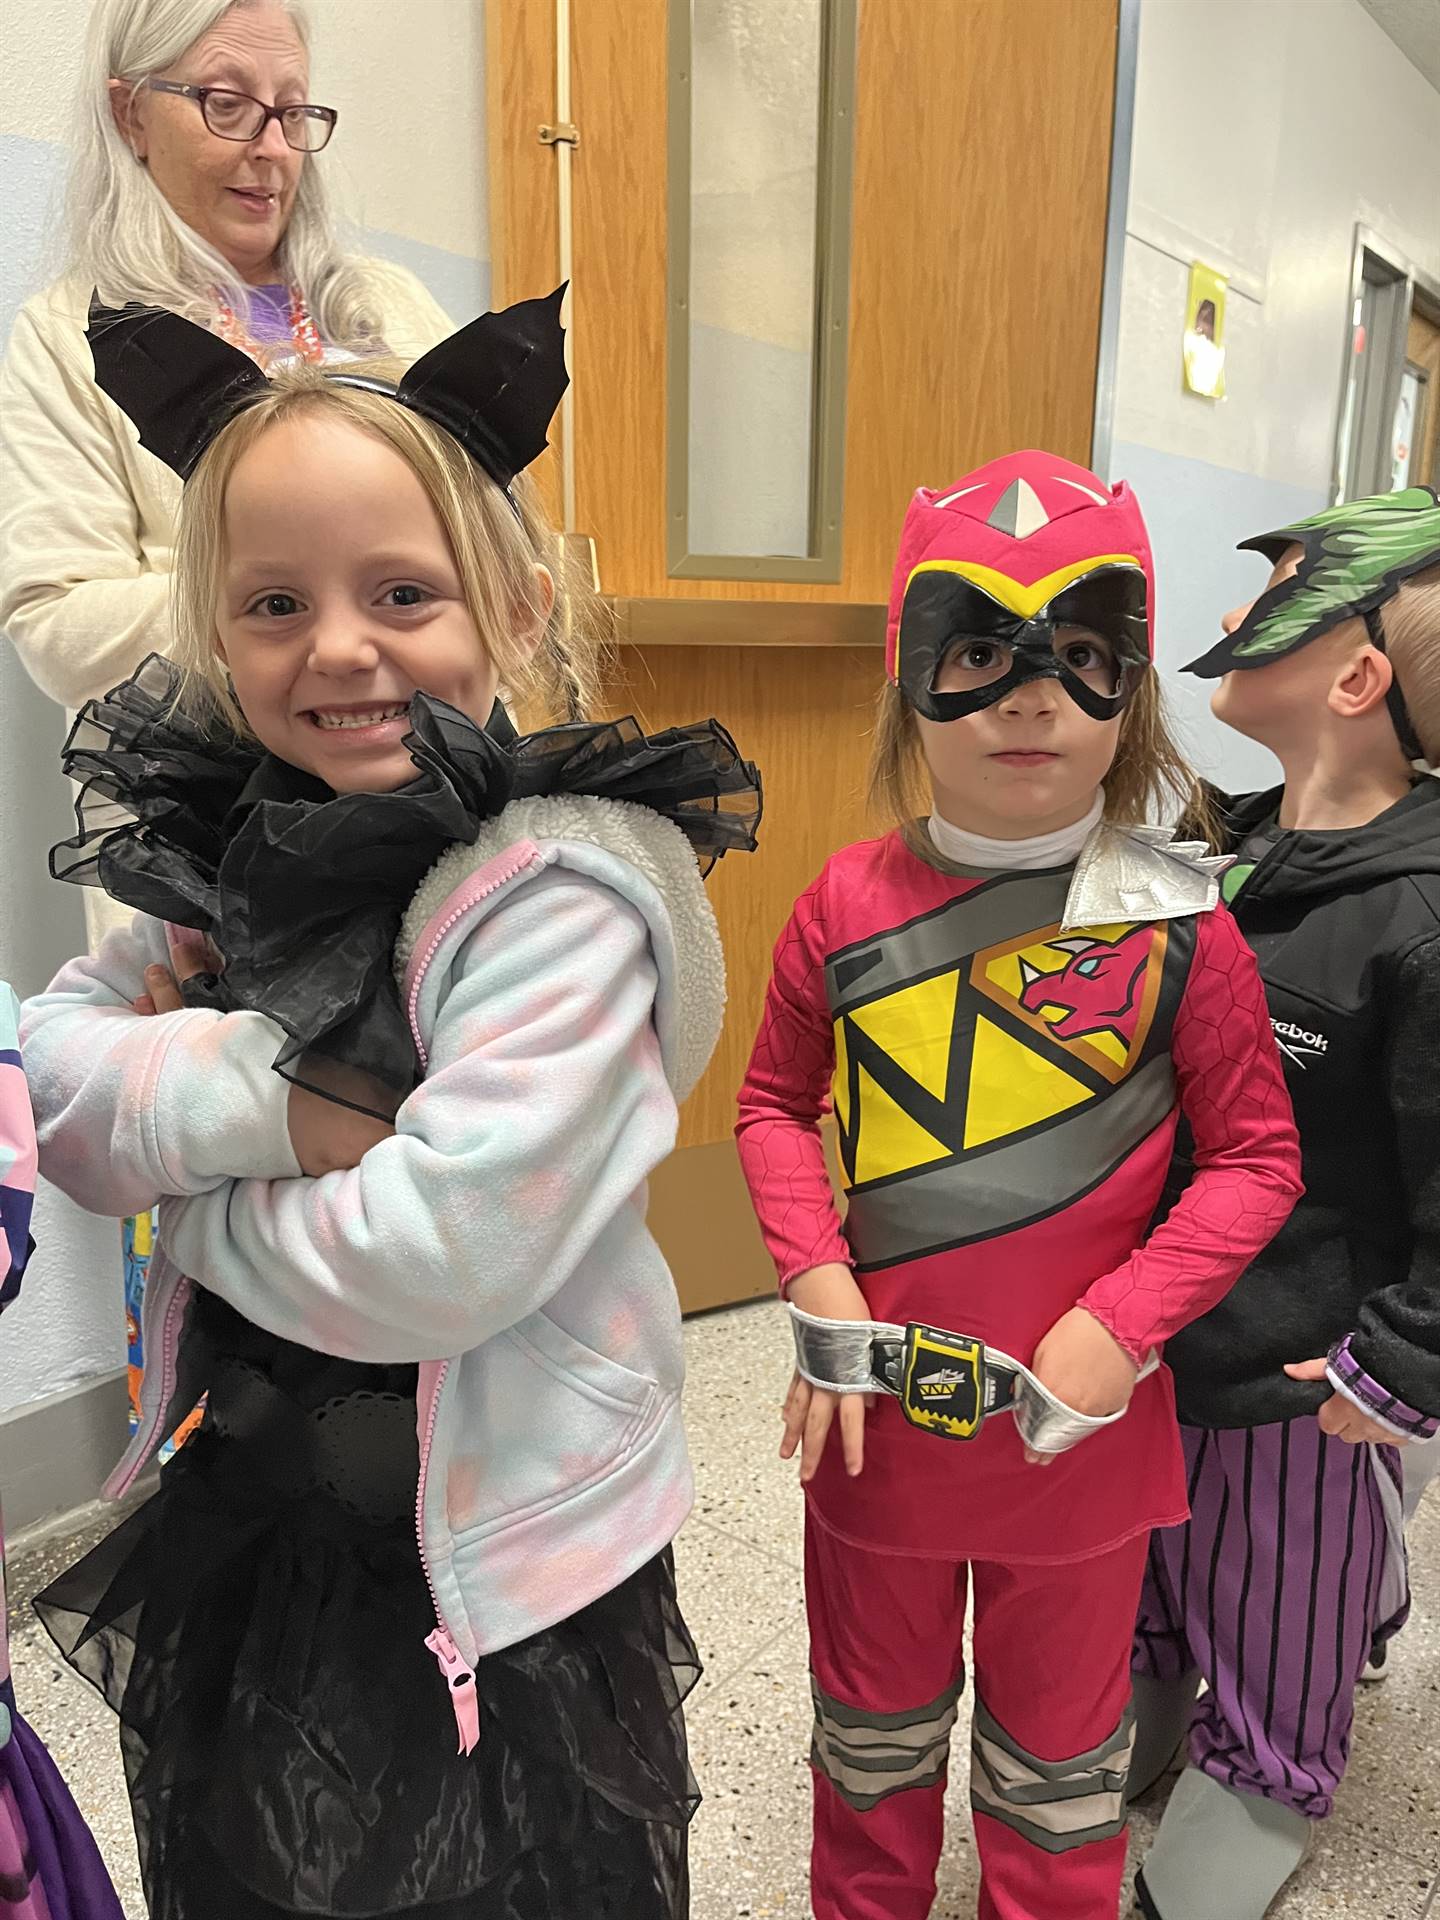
x: 1050, y: 1746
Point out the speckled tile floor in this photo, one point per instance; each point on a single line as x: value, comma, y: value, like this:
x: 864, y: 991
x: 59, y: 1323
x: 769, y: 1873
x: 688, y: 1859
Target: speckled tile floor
x: 739, y: 1560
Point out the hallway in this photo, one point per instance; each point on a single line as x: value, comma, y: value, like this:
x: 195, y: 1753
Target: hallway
x: 739, y: 1562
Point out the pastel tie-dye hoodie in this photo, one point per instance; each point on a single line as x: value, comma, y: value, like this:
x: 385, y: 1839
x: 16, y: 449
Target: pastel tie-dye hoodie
x: 565, y: 986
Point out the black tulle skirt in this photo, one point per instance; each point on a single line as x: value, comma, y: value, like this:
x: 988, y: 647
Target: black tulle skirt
x: 259, y: 1627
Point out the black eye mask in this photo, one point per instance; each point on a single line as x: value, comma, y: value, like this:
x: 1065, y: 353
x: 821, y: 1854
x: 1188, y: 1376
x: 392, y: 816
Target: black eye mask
x: 943, y: 610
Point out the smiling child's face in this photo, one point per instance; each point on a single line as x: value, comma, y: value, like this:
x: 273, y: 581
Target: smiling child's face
x: 340, y: 599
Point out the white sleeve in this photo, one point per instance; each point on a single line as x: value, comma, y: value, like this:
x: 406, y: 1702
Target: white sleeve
x: 131, y: 1107
x: 545, y: 1109
x: 77, y: 597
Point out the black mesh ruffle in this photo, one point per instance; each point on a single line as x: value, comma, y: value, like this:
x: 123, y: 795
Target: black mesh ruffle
x: 302, y: 890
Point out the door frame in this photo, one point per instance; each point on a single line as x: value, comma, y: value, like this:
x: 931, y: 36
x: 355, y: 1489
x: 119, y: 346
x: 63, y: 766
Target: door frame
x: 1416, y: 289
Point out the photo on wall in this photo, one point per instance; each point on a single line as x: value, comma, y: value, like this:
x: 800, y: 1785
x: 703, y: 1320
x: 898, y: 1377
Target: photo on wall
x: 1205, y: 332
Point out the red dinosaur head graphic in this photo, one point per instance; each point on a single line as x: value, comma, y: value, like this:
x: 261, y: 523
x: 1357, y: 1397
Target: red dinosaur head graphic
x: 1007, y: 564
x: 1100, y: 987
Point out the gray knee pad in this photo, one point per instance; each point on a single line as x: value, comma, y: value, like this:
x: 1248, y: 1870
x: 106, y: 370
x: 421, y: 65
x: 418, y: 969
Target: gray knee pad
x: 1057, y: 1805
x: 1219, y: 1855
x: 868, y: 1756
x: 1163, y: 1709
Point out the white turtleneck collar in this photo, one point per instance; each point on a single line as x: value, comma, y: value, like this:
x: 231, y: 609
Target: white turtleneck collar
x: 1056, y: 849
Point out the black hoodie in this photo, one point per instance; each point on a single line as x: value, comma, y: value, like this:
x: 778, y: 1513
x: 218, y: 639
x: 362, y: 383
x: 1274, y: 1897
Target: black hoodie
x: 1346, y: 927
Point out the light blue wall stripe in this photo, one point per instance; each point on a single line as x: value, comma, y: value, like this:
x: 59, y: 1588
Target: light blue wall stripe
x: 458, y: 281
x: 31, y: 247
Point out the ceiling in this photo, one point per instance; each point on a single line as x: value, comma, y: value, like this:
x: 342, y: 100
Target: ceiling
x: 1414, y: 26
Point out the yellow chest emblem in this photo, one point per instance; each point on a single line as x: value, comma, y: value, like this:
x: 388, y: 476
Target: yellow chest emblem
x: 1004, y: 1044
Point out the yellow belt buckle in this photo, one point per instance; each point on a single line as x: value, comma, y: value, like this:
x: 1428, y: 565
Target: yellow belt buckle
x: 942, y: 1382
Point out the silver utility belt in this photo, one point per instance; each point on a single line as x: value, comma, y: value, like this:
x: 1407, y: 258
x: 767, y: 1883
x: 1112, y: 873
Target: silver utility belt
x: 946, y: 1383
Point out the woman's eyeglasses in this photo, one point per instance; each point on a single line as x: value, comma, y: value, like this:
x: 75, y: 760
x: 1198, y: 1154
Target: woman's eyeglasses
x: 239, y: 116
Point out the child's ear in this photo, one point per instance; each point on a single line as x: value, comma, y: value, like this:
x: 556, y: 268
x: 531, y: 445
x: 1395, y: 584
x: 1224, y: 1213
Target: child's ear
x: 1362, y: 684
x: 534, y: 620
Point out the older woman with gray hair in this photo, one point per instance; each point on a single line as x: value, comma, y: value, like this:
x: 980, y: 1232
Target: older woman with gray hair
x: 198, y: 185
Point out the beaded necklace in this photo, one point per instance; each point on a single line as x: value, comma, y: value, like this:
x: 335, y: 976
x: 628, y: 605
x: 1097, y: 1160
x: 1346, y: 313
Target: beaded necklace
x: 303, y: 330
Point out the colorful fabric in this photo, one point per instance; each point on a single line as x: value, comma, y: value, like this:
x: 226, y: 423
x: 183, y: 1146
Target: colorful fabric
x: 50, y: 1868
x: 270, y: 323
x: 137, y: 1243
x: 1290, y: 1568
x: 17, y: 1153
x: 1006, y: 1096
x: 1051, y: 1731
x: 1348, y: 1377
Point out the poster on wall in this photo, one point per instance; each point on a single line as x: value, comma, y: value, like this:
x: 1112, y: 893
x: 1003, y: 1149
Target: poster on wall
x: 1205, y: 332
x: 1407, y: 421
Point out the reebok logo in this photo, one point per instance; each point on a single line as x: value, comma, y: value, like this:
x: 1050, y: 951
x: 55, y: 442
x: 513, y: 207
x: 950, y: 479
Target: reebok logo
x: 1298, y: 1045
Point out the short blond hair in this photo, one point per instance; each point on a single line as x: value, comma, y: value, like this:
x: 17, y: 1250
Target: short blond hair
x: 1149, y: 781
x: 1412, y: 640
x: 496, y: 547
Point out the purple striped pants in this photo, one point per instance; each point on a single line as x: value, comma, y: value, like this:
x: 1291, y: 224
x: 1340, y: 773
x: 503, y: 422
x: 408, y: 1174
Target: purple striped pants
x: 1292, y: 1562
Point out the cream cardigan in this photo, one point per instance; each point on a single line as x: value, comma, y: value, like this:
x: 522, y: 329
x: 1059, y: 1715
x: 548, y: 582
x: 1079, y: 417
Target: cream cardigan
x: 87, y: 517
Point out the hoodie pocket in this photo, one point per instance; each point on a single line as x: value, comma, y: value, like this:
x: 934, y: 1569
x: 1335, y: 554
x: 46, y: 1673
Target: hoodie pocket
x: 584, y: 1368
x: 539, y: 1418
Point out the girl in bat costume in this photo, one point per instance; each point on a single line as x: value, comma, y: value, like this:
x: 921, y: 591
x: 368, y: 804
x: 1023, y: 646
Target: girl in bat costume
x: 1014, y: 999
x: 395, y: 1039
x: 1296, y: 1391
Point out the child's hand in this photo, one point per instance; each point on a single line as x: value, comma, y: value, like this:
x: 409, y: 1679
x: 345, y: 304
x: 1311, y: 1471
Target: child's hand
x: 831, y: 1294
x: 163, y: 984
x: 329, y: 1138
x: 1340, y: 1417
x: 1086, y: 1367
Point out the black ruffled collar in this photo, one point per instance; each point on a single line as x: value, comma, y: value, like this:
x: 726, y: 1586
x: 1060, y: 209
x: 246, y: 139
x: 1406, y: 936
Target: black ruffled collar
x: 302, y: 890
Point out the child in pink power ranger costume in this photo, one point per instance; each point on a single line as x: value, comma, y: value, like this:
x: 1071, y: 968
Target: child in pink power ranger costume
x: 1007, y: 1006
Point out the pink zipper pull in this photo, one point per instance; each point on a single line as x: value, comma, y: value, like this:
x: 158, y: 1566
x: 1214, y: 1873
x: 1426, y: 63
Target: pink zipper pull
x: 460, y: 1679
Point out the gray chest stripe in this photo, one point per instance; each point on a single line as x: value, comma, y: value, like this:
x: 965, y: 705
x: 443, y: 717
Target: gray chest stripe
x: 995, y: 1191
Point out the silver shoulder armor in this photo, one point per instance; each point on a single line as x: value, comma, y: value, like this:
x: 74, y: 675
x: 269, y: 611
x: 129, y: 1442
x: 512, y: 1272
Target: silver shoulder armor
x: 1142, y: 873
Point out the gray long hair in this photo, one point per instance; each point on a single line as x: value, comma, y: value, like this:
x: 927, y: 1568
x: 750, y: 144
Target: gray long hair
x: 126, y: 239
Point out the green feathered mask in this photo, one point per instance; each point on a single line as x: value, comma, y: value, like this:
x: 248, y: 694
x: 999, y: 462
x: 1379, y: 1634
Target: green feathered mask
x: 1355, y: 557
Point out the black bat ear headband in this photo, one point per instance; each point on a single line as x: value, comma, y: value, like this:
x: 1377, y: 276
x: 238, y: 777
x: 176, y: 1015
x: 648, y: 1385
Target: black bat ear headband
x: 493, y: 386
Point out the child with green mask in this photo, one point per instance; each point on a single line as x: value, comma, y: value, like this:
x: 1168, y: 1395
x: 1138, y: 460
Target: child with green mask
x: 1296, y: 1391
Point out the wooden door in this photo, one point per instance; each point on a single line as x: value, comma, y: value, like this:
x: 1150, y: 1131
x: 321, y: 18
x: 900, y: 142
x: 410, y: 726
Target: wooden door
x: 980, y: 177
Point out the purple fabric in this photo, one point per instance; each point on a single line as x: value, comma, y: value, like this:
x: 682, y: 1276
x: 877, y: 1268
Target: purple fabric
x: 1346, y: 1371
x: 1273, y: 1590
x: 50, y: 1867
x: 269, y: 323
x: 63, y: 1858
